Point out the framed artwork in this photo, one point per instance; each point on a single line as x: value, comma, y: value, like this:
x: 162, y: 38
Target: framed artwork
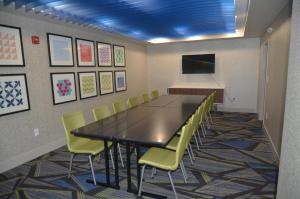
x: 63, y: 87
x: 85, y: 52
x: 104, y: 54
x: 87, y: 84
x: 106, y: 82
x: 120, y: 80
x: 11, y: 47
x: 60, y: 50
x: 14, y: 95
x: 119, y: 56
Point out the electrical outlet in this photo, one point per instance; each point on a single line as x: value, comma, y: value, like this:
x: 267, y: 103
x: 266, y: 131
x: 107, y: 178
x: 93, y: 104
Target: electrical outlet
x: 233, y: 99
x: 36, y: 132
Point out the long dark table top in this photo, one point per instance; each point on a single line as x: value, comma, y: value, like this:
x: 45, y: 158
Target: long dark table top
x: 153, y: 123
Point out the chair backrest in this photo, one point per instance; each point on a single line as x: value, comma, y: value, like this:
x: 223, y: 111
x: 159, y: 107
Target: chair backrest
x: 70, y: 122
x: 154, y: 94
x: 133, y: 101
x: 101, y: 112
x: 213, y: 96
x: 182, y: 143
x: 119, y: 107
x: 206, y: 106
x: 201, y: 113
x: 145, y: 97
x: 193, y: 127
x: 209, y: 101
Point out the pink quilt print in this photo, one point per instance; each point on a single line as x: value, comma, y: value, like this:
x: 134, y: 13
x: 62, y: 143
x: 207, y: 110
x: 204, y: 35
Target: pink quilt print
x: 64, y: 87
x: 85, y: 53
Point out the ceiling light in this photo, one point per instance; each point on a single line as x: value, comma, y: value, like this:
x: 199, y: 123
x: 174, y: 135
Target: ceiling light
x: 196, y: 37
x: 159, y: 40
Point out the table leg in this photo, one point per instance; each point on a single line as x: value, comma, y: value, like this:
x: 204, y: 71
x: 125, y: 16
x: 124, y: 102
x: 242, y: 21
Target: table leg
x: 128, y: 153
x: 115, y: 144
x: 138, y: 167
x: 106, y: 156
x: 106, y: 162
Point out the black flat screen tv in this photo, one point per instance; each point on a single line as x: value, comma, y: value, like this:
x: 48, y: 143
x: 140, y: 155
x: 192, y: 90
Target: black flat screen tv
x: 198, y: 64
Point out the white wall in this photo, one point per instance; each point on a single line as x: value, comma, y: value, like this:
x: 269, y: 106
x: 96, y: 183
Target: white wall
x: 237, y: 64
x: 17, y: 141
x: 289, y: 169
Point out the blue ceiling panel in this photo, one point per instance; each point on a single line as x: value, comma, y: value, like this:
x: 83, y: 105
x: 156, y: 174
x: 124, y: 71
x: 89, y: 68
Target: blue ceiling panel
x: 145, y: 19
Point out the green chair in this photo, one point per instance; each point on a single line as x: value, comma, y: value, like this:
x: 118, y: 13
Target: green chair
x: 133, y: 102
x: 77, y: 145
x: 119, y: 107
x: 154, y: 94
x: 165, y: 159
x: 145, y: 97
x: 100, y: 113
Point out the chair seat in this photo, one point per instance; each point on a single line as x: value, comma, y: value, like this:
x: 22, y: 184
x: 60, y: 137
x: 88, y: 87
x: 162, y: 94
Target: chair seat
x: 88, y: 146
x: 159, y: 158
x: 173, y: 143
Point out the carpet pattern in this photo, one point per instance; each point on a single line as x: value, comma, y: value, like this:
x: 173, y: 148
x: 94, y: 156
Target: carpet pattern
x: 235, y: 161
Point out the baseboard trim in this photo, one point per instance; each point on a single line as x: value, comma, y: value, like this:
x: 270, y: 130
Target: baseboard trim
x: 30, y: 155
x: 237, y: 110
x: 274, y: 150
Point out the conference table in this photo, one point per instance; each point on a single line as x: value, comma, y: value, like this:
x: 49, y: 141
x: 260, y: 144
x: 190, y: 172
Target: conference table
x: 151, y: 124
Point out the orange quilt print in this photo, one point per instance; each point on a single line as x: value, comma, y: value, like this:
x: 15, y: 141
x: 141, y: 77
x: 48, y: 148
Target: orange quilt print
x: 85, y: 53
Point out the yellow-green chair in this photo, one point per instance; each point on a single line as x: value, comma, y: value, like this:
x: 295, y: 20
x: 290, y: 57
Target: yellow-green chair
x: 165, y: 159
x: 174, y: 142
x: 206, y: 110
x: 100, y: 113
x: 119, y: 107
x: 133, y: 102
x: 145, y: 97
x: 211, y: 105
x: 77, y: 145
x: 154, y: 94
x: 202, y: 118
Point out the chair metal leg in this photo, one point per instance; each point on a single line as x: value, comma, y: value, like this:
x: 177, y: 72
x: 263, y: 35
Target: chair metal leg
x: 121, y: 158
x: 203, y: 130
x: 183, y: 172
x: 92, y: 169
x: 141, y: 181
x: 192, y: 152
x: 70, y: 166
x: 196, y: 140
x: 199, y: 137
x: 186, y: 175
x: 191, y: 159
x: 153, y: 172
x: 112, y: 159
x: 99, y: 157
x: 173, y: 187
x: 207, y: 122
x: 211, y: 121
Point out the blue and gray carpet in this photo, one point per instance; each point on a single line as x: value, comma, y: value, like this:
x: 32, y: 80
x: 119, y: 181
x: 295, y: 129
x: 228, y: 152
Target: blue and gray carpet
x: 235, y: 161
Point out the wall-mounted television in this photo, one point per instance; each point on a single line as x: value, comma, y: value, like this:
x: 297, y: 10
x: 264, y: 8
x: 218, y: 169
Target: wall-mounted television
x: 198, y: 64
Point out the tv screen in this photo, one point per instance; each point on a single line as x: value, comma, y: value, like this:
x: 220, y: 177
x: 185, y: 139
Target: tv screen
x: 198, y: 64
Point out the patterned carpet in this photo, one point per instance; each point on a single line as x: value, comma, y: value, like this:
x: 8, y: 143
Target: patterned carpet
x: 235, y: 162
